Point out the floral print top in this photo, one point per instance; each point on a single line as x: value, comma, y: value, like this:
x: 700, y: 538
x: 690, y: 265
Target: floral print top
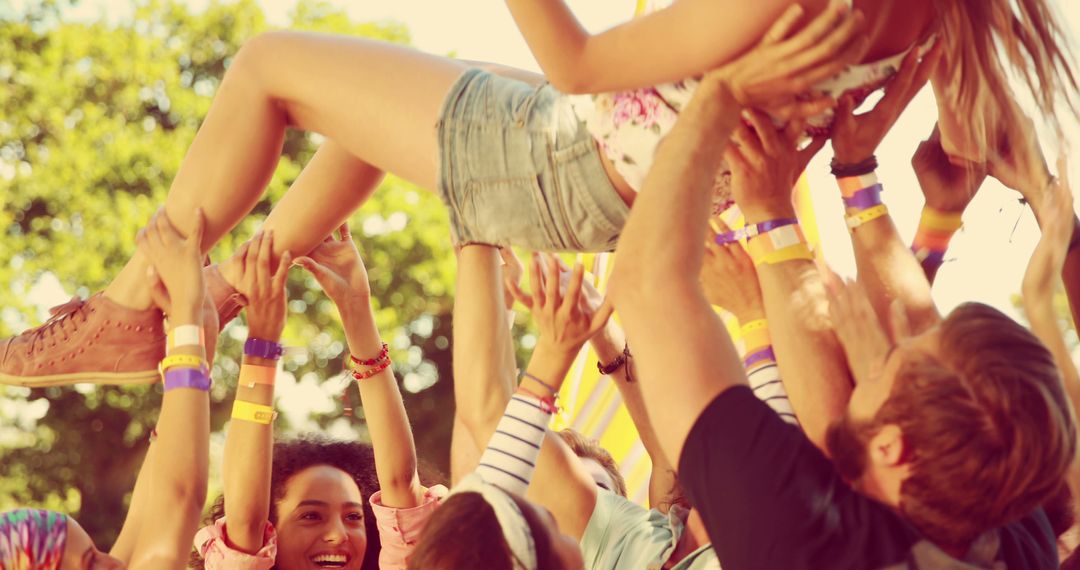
x: 628, y: 125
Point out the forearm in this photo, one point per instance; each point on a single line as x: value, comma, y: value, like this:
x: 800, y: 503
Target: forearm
x: 247, y: 464
x: 384, y: 411
x: 810, y: 359
x: 483, y: 351
x: 1070, y: 275
x: 509, y: 72
x: 609, y: 345
x: 889, y: 271
x: 555, y: 37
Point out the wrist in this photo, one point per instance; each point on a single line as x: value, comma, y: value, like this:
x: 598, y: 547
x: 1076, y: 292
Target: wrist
x: 261, y: 332
x: 758, y: 213
x: 551, y: 363
x: 749, y: 315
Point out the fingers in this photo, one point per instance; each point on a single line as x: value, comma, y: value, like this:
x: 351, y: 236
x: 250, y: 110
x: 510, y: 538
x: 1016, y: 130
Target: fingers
x: 750, y: 147
x: 316, y: 269
x: 573, y: 289
x: 551, y: 282
x: 519, y: 295
x: 766, y: 132
x: 344, y: 232
x: 807, y: 154
x: 816, y: 30
x: 784, y: 25
x: 251, y: 255
x: 282, y: 274
x: 733, y: 155
x: 537, y: 280
x: 265, y: 256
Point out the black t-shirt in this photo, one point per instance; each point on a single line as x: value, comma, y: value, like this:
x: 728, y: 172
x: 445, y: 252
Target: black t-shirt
x: 770, y: 500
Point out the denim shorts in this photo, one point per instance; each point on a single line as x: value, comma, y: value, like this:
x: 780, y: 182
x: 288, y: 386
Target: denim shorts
x: 516, y: 167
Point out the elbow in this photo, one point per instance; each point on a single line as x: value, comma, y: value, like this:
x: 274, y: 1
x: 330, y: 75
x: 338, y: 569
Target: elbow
x: 190, y: 494
x: 571, y: 82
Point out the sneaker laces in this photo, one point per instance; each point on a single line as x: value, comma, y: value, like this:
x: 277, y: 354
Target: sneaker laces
x: 61, y: 316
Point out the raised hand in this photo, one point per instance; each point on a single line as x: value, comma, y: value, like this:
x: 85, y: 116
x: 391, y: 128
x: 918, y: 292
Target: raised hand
x: 858, y: 328
x: 786, y: 63
x: 856, y: 137
x: 765, y: 164
x: 566, y: 318
x: 947, y: 187
x: 337, y: 266
x: 730, y: 280
x: 264, y: 288
x: 177, y: 286
x: 1044, y: 269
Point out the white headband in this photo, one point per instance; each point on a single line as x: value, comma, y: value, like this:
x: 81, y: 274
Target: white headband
x: 515, y: 528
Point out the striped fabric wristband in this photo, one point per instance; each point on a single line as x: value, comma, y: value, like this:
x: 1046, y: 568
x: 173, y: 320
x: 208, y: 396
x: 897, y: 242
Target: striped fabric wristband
x: 510, y: 457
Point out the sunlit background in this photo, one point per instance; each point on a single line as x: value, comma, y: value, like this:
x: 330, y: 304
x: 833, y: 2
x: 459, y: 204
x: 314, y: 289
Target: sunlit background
x: 986, y: 259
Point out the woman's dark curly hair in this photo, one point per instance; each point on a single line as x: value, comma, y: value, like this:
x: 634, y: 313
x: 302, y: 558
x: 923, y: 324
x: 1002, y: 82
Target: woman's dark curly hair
x: 293, y: 456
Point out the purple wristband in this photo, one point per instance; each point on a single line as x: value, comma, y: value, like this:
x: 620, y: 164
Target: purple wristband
x: 760, y: 356
x: 753, y: 230
x: 865, y: 199
x: 260, y: 348
x: 929, y: 257
x: 197, y: 378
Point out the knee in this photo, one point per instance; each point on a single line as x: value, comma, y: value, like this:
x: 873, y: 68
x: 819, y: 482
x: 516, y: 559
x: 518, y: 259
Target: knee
x: 252, y: 63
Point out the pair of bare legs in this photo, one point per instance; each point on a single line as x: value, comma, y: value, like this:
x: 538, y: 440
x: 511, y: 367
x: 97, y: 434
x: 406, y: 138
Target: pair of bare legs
x: 376, y: 103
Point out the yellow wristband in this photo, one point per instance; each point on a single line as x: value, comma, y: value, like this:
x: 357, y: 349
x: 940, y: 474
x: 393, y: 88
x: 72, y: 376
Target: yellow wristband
x: 250, y: 412
x: 867, y: 215
x: 250, y: 375
x: 756, y: 339
x: 755, y: 325
x: 178, y: 360
x: 948, y: 222
x: 790, y: 253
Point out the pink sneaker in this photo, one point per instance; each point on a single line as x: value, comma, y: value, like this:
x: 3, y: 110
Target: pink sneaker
x: 94, y: 341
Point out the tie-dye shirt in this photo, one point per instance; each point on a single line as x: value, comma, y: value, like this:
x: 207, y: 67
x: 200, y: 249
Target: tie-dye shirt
x: 32, y: 539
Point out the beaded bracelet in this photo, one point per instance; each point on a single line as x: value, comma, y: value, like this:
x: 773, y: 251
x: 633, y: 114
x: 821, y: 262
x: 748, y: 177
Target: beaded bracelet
x: 383, y: 355
x: 365, y: 374
x: 866, y: 166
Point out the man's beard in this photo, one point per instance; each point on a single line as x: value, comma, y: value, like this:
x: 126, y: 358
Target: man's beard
x: 846, y: 443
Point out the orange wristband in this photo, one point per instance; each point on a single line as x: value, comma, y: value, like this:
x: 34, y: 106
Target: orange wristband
x: 250, y: 375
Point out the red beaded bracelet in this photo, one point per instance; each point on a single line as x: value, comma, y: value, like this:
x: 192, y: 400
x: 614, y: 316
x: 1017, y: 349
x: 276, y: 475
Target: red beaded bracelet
x: 362, y: 375
x: 373, y: 361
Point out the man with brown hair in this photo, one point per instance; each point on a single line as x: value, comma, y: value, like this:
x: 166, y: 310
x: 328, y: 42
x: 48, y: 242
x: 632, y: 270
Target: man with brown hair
x: 946, y: 449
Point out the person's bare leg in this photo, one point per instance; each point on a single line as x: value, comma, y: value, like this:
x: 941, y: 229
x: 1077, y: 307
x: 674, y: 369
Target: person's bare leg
x: 378, y: 101
x: 329, y: 189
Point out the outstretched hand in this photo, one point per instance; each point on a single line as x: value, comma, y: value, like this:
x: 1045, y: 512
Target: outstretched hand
x: 790, y: 59
x: 263, y: 288
x: 337, y: 266
x: 177, y: 286
x: 856, y: 137
x: 947, y: 187
x: 1044, y: 269
x: 858, y: 328
x: 765, y: 164
x: 566, y: 318
x: 730, y: 280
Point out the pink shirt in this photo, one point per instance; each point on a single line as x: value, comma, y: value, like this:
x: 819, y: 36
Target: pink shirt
x: 398, y: 532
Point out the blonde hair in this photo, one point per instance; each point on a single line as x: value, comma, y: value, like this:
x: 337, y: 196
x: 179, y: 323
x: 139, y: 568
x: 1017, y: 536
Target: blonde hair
x: 982, y: 39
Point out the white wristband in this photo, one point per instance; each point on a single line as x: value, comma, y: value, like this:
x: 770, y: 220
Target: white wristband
x: 185, y: 335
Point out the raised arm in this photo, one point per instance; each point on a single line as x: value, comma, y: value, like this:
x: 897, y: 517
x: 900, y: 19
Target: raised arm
x: 249, y: 441
x: 174, y: 476
x: 337, y: 266
x: 765, y: 165
x: 681, y: 41
x: 886, y: 265
x: 655, y: 285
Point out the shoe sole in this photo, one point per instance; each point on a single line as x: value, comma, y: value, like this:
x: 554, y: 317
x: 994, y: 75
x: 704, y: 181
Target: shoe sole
x: 102, y: 378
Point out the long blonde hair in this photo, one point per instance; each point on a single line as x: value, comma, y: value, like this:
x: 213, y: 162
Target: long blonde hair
x: 982, y: 39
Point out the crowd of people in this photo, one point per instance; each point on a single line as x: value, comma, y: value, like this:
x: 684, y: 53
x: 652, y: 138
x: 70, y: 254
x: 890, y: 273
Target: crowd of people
x: 853, y: 427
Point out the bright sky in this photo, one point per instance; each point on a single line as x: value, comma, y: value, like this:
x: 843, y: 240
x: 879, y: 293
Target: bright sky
x: 990, y: 253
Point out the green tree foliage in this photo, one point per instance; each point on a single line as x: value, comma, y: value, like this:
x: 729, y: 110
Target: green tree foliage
x: 94, y: 121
